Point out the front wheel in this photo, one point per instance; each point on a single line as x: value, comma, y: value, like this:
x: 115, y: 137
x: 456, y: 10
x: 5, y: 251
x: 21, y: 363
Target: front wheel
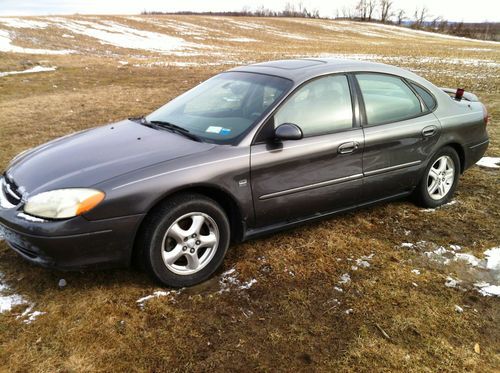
x: 440, y: 179
x: 185, y: 240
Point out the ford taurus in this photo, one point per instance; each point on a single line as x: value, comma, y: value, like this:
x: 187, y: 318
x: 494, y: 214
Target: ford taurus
x: 250, y: 151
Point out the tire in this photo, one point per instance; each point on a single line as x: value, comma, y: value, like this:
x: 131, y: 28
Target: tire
x: 439, y: 180
x: 184, y: 240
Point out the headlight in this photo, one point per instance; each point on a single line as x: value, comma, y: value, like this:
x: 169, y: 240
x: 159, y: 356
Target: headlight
x: 63, y: 203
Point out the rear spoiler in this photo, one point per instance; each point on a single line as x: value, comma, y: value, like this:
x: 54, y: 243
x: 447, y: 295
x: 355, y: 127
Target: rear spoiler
x: 459, y: 94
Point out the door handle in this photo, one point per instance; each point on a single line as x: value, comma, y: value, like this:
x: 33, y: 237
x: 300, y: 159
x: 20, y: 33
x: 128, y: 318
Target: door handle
x: 348, y: 147
x: 429, y: 131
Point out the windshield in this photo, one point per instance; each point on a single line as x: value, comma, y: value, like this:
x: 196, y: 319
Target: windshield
x: 224, y: 108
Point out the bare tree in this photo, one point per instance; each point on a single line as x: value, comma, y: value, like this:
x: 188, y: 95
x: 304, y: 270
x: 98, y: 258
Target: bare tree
x: 385, y: 10
x: 420, y: 16
x: 370, y: 4
x: 400, y: 16
x: 362, y: 9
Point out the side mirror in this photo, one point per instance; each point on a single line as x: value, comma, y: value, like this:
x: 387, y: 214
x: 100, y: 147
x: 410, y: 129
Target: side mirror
x: 288, y: 131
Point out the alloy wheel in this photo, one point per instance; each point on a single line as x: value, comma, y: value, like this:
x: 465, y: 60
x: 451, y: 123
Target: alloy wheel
x: 441, y: 177
x: 190, y: 243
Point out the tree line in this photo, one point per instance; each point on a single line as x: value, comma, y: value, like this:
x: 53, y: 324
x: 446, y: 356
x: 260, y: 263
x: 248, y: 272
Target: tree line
x: 382, y: 11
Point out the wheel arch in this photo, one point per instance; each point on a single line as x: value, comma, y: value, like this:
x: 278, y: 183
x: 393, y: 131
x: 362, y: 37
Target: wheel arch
x: 219, y: 195
x: 461, y: 153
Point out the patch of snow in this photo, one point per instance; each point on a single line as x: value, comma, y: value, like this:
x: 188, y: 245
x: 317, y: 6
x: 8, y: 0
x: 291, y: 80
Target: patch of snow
x: 241, y: 40
x: 23, y: 23
x: 407, y: 245
x: 8, y: 301
x: 118, y: 35
x: 451, y: 282
x: 469, y: 258
x: 409, y: 31
x: 477, y: 49
x: 157, y: 294
x: 248, y: 284
x: 458, y: 308
x: 345, y: 278
x: 487, y: 289
x: 29, y: 316
x: 493, y: 258
x: 415, y: 271
x: 7, y: 46
x: 67, y: 36
x: 489, y: 162
x: 229, y: 280
x: 451, y: 203
x: 288, y: 35
x: 485, y: 272
x: 349, y: 311
x: 414, y: 284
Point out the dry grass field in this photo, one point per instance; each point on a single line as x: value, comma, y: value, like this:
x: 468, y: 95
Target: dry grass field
x: 366, y: 291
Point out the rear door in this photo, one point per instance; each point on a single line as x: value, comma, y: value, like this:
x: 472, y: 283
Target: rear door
x: 400, y: 133
x: 321, y: 172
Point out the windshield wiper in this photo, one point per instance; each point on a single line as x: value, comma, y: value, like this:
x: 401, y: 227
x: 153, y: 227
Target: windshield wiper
x: 174, y: 128
x: 170, y: 126
x: 142, y: 120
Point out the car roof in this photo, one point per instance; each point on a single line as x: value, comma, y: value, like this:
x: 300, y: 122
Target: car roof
x: 300, y: 70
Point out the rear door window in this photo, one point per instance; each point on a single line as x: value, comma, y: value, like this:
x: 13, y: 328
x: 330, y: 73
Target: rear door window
x: 387, y: 99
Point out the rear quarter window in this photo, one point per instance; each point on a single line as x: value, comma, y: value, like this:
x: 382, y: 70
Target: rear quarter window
x: 428, y: 98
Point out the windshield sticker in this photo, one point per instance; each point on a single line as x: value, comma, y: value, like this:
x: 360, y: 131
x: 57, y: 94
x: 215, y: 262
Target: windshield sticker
x: 219, y: 130
x: 213, y: 129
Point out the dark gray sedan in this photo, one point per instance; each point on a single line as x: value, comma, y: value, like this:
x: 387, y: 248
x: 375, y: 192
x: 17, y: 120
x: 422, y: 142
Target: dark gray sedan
x: 250, y: 151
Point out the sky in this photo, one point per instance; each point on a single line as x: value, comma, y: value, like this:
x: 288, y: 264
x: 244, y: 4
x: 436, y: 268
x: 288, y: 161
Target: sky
x: 452, y: 10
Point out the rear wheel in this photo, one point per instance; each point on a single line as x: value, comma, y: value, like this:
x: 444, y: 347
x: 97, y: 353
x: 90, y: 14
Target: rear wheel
x: 440, y: 179
x: 185, y: 240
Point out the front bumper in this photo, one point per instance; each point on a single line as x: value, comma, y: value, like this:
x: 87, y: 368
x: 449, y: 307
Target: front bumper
x: 70, y: 244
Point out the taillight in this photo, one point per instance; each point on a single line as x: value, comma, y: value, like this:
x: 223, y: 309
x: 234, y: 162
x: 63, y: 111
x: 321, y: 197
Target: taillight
x: 485, y: 114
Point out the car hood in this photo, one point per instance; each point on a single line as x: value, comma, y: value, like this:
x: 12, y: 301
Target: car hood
x: 93, y: 156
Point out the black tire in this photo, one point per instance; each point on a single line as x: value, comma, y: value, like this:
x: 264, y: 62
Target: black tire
x: 158, y: 222
x: 422, y: 195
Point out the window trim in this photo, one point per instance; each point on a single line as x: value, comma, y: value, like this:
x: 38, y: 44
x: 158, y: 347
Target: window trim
x: 355, y: 124
x: 411, y: 83
x: 362, y: 102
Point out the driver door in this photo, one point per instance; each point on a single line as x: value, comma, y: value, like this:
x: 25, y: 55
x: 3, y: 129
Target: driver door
x: 322, y: 172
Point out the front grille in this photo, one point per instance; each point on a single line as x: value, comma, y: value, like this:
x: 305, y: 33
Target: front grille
x: 11, y: 192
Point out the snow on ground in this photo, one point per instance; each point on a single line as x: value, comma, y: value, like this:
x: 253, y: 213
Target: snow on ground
x: 485, y: 272
x: 489, y: 162
x: 28, y: 315
x: 118, y: 35
x: 8, y: 301
x: 23, y: 23
x: 7, y: 46
x: 241, y: 40
x: 229, y: 280
x: 451, y: 203
x: 410, y: 31
x: 157, y: 294
x: 181, y: 27
x: 36, y: 69
x: 411, y: 60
